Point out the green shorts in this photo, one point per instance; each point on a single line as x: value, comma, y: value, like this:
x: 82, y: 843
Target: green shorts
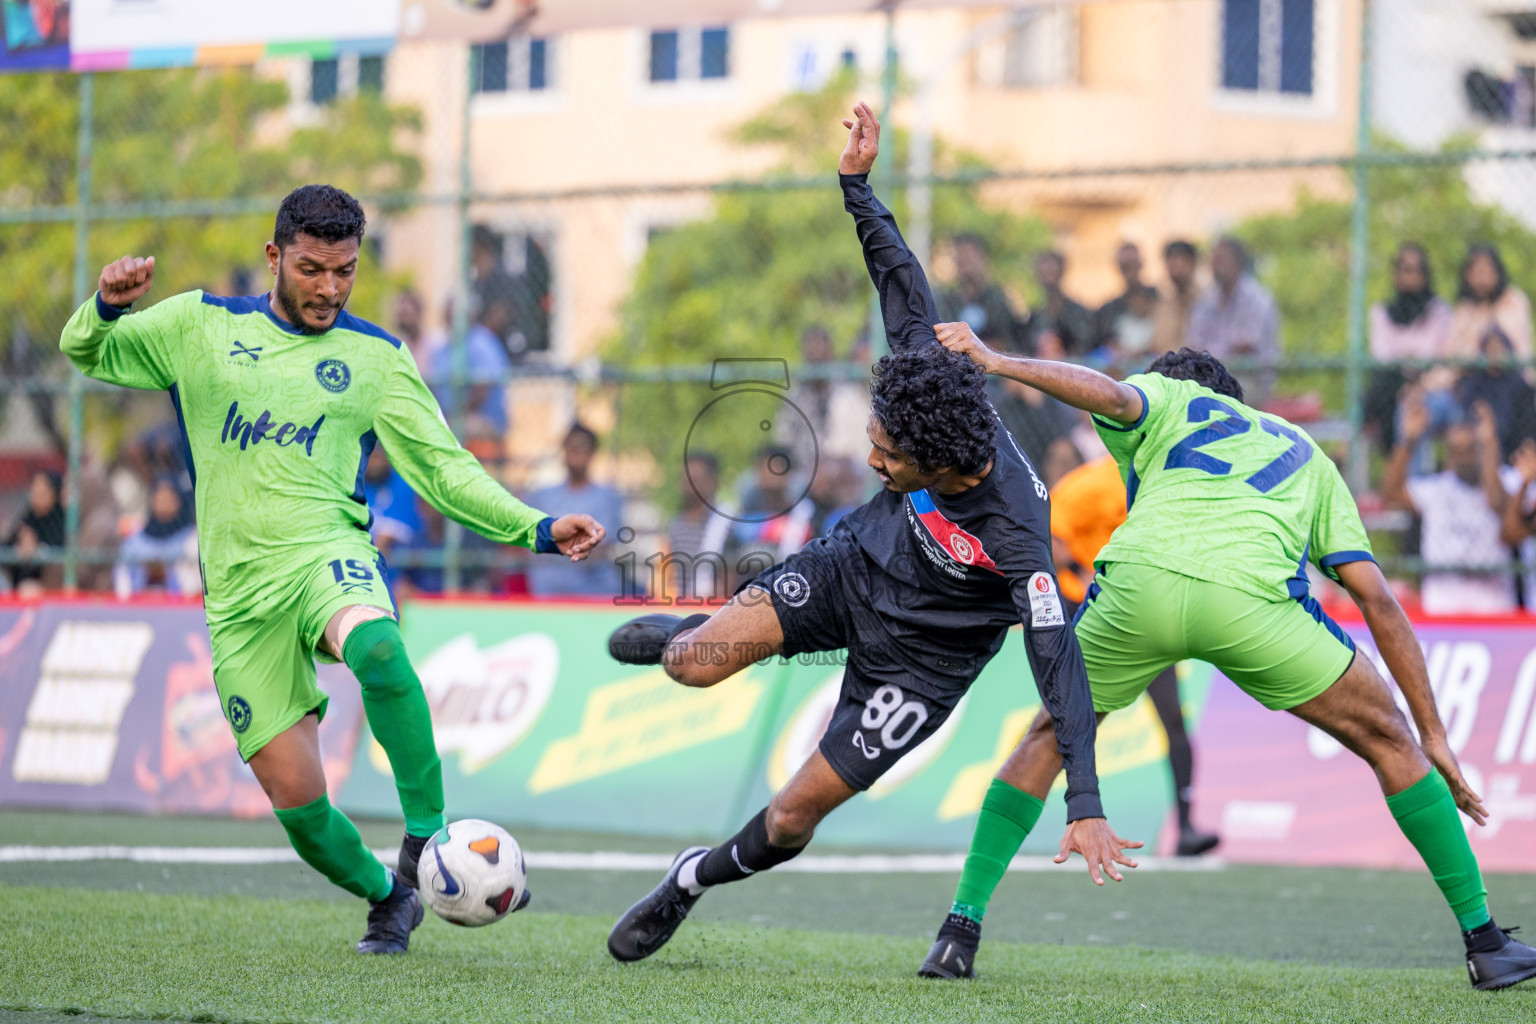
x: 264, y: 651
x: 1139, y: 619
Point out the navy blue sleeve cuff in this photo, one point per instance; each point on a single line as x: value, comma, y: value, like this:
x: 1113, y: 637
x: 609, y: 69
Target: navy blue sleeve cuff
x: 1083, y: 804
x: 544, y: 539
x: 1146, y: 407
x: 109, y: 312
x: 1329, y: 563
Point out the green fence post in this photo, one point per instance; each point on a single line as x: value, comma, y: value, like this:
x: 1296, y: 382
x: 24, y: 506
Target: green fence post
x: 81, y: 291
x: 454, y: 533
x: 1359, y: 266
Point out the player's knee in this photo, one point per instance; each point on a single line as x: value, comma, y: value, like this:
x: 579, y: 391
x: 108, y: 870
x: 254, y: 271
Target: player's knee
x: 790, y: 824
x: 383, y: 668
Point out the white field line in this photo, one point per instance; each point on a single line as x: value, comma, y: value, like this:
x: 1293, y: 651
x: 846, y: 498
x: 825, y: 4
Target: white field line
x: 815, y: 864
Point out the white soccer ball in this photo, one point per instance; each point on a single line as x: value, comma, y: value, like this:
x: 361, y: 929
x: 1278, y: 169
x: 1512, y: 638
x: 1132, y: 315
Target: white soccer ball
x: 472, y: 873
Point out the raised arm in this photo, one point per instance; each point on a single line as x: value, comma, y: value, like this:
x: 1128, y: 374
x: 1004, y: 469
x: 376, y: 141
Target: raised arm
x: 1077, y: 386
x: 906, y: 301
x: 437, y: 467
x: 106, y: 343
x: 1399, y: 647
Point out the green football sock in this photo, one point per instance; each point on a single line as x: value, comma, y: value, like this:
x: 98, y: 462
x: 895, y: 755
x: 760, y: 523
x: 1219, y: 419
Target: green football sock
x: 1426, y: 812
x: 400, y: 719
x: 329, y: 843
x: 1007, y: 815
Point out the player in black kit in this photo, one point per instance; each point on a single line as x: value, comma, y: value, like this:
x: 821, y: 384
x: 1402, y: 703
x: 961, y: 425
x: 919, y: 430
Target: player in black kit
x: 920, y: 586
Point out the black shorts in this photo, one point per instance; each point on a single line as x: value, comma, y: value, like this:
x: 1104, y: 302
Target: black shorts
x: 891, y: 700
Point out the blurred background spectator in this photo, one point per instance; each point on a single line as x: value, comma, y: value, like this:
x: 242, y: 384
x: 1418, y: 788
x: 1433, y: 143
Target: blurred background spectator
x: 1236, y: 318
x: 162, y: 556
x: 1500, y: 386
x: 1125, y: 323
x: 409, y: 316
x: 1485, y: 299
x: 977, y: 299
x: 1060, y: 325
x: 1461, y: 512
x: 701, y: 535
x: 38, y: 530
x: 485, y: 368
x: 391, y: 503
x: 1181, y: 261
x: 1413, y: 324
x: 551, y: 576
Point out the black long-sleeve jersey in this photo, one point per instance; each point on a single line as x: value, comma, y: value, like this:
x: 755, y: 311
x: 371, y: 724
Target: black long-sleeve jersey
x: 959, y: 570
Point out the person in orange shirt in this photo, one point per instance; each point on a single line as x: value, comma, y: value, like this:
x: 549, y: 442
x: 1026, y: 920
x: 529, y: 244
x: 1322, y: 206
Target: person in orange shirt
x: 1086, y: 506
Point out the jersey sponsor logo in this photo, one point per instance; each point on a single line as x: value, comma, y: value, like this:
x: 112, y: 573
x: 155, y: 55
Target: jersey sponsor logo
x: 1044, y: 604
x: 333, y: 375
x: 264, y: 428
x: 793, y: 589
x: 241, y: 349
x: 959, y: 545
x: 239, y: 714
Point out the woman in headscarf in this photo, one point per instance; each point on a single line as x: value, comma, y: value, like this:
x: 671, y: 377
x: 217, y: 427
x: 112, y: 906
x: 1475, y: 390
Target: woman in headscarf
x: 163, y: 555
x: 1413, y: 324
x: 40, y: 527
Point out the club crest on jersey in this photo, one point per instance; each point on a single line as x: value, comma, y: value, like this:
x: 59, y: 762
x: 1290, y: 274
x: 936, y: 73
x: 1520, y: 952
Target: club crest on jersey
x: 963, y: 547
x: 333, y: 375
x: 239, y: 714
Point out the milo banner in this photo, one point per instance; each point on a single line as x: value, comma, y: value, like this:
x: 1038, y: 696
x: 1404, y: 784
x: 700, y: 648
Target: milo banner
x: 111, y: 706
x: 537, y: 725
x: 1282, y: 791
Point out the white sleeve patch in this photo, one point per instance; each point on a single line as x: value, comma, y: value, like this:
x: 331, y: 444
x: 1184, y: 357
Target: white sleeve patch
x: 1044, y: 604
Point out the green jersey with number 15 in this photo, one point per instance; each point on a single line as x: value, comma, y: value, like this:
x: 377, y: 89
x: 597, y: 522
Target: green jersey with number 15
x: 1224, y: 493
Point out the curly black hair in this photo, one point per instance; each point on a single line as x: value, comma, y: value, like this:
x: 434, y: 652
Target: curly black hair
x: 933, y: 404
x: 1200, y: 367
x: 322, y: 212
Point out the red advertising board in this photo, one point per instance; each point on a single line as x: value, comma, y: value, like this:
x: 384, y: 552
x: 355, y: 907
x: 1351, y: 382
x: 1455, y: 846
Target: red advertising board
x: 1281, y: 791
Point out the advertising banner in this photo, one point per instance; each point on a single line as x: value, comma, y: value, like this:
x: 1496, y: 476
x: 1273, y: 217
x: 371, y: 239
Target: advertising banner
x: 34, y: 35
x: 537, y: 725
x: 106, y: 706
x: 1282, y: 791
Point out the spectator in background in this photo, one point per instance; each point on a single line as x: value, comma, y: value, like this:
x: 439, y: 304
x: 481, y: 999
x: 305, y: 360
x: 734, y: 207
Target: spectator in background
x: 1519, y: 525
x: 38, y: 532
x: 489, y: 281
x: 409, y: 318
x: 1413, y: 324
x: 162, y: 556
x: 833, y: 412
x: 701, y: 534
x: 595, y: 576
x: 1236, y: 318
x: 1461, y: 512
x: 391, y: 503
x: 1170, y: 323
x: 1486, y: 299
x: 485, y: 370
x: 1500, y: 386
x: 1125, y: 321
x: 977, y: 299
x: 1059, y: 326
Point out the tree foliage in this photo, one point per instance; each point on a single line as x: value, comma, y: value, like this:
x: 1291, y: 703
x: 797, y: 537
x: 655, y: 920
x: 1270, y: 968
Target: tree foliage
x: 769, y: 261
x: 164, y: 135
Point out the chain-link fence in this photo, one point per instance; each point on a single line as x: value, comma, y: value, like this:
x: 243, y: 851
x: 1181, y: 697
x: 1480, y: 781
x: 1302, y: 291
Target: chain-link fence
x: 638, y: 231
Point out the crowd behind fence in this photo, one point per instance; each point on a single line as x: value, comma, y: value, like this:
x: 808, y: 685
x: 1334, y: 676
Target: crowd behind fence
x: 1374, y: 297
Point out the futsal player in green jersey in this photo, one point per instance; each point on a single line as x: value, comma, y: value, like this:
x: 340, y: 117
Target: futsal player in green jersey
x: 281, y: 398
x: 1227, y: 507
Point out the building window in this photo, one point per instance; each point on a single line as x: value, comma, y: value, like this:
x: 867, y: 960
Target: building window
x: 685, y: 55
x: 346, y: 75
x: 518, y: 65
x: 1040, y: 51
x: 1268, y: 46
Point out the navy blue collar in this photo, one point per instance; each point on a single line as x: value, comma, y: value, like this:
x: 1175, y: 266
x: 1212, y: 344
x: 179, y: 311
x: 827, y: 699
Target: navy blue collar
x: 264, y: 303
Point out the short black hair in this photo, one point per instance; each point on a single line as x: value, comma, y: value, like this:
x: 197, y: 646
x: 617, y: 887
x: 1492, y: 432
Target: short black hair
x: 579, y: 429
x: 322, y: 212
x: 933, y: 403
x: 1200, y: 367
x: 1179, y: 247
x: 1473, y: 252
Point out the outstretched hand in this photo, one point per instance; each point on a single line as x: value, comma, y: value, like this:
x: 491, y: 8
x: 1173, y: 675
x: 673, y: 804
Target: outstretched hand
x: 958, y: 337
x: 1438, y: 750
x: 125, y: 280
x: 863, y: 141
x: 1097, y: 842
x: 576, y: 535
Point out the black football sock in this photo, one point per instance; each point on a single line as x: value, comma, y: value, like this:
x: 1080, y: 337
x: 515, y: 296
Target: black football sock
x: 746, y: 853
x: 1487, y: 938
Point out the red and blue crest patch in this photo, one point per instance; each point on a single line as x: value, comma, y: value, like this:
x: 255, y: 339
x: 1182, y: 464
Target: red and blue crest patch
x: 963, y: 547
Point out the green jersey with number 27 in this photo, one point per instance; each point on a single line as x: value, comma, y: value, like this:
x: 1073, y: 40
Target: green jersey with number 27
x: 1224, y: 493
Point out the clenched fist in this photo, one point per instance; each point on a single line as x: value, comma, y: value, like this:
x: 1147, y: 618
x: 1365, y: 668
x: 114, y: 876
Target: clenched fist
x: 126, y: 280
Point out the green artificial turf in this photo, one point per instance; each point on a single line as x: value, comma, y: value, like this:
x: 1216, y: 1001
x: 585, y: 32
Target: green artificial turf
x: 146, y: 956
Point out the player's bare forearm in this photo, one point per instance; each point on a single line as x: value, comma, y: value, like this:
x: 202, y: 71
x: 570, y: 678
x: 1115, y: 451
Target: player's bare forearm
x: 1077, y: 386
x: 1395, y: 639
